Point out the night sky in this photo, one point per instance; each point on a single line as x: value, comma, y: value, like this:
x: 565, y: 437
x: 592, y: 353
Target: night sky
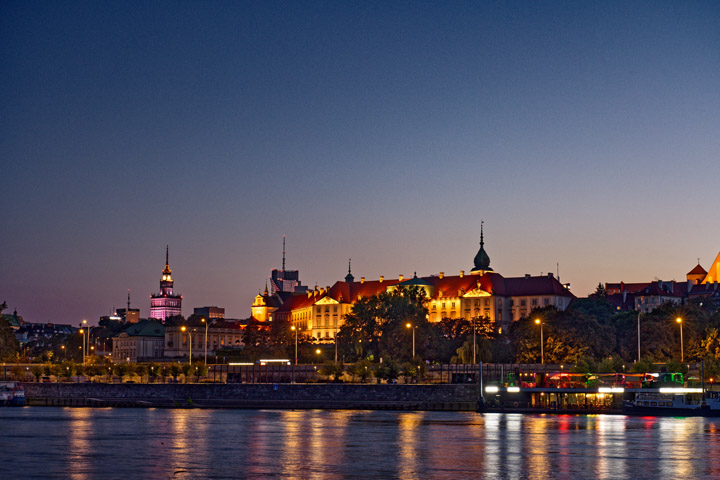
x: 584, y: 134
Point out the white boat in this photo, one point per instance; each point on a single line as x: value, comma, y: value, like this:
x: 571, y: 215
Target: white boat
x: 670, y: 403
x: 12, y: 393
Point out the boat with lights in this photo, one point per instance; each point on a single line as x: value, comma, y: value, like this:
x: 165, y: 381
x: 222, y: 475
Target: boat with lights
x: 674, y: 402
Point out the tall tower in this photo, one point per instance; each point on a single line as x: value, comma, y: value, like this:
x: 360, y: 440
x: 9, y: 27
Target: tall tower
x: 285, y: 280
x: 165, y: 304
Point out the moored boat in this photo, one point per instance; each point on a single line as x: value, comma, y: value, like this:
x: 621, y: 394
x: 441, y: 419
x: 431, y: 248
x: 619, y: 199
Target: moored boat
x: 12, y: 393
x: 674, y: 402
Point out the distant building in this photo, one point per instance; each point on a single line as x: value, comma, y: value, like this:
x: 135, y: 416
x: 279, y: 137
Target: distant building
x: 287, y: 281
x: 221, y: 334
x: 141, y: 342
x: 209, y: 313
x: 165, y: 304
x: 29, y: 332
x: 646, y: 296
x: 131, y: 315
x: 15, y: 321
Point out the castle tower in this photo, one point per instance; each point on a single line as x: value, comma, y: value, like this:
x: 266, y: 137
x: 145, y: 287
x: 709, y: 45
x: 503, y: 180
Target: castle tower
x: 165, y: 304
x: 482, y: 260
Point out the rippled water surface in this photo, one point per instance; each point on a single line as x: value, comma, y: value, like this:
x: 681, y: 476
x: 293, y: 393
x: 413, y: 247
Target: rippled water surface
x: 155, y: 443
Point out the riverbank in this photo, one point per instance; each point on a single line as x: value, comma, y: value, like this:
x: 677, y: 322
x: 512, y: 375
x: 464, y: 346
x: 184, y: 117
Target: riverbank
x: 269, y: 396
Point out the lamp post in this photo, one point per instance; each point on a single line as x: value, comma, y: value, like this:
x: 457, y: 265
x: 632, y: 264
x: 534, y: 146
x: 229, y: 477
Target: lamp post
x: 638, y: 329
x: 336, y: 339
x: 410, y: 326
x: 542, y: 350
x: 682, y: 356
x: 82, y: 338
x: 189, y: 343
x: 294, y: 328
x: 64, y: 352
x: 318, y: 352
x: 474, y: 347
x: 207, y: 323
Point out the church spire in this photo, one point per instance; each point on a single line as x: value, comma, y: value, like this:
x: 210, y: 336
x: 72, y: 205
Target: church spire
x: 349, y: 277
x: 283, y: 264
x: 167, y: 270
x: 482, y: 260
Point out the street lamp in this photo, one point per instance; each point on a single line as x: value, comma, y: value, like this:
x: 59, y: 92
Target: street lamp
x: 542, y: 350
x: 206, y: 332
x: 82, y: 332
x: 64, y: 352
x: 294, y: 328
x: 638, y: 329
x: 318, y: 352
x: 410, y: 326
x: 189, y: 343
x: 682, y: 356
x: 474, y: 347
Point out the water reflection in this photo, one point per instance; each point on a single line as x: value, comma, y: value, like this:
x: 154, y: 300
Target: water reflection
x: 78, y: 433
x: 408, y: 445
x: 130, y: 443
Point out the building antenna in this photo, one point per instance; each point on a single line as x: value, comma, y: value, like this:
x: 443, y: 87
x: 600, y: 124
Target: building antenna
x: 128, y: 309
x: 557, y: 270
x: 283, y: 264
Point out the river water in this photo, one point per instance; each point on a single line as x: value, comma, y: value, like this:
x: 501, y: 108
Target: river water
x: 84, y: 443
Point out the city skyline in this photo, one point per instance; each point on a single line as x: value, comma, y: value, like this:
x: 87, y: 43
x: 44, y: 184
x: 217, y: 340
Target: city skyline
x: 583, y: 135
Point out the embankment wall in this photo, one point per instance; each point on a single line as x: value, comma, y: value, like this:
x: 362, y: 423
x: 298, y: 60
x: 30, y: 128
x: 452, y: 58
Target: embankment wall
x: 336, y: 396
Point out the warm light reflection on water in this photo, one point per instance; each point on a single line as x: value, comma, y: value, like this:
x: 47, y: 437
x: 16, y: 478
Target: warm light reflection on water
x: 78, y: 433
x: 408, y: 445
x: 191, y: 443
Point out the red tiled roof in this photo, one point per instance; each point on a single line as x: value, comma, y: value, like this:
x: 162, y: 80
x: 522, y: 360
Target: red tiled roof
x: 448, y: 286
x: 698, y: 270
x: 522, y: 286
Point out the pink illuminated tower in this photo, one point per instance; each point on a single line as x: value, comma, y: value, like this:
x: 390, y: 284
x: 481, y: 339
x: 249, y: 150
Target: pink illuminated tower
x: 165, y: 304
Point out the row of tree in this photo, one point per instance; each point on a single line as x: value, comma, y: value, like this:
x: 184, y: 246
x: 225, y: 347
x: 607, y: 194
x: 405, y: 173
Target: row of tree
x: 152, y: 372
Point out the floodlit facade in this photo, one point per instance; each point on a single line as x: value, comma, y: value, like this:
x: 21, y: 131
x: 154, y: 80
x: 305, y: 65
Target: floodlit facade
x: 481, y: 293
x: 165, y: 304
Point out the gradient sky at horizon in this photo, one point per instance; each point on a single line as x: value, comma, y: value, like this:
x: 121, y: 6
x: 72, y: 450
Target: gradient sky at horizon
x: 584, y: 134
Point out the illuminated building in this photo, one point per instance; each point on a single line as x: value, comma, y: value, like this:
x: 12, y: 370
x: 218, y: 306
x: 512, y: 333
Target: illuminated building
x: 482, y: 293
x: 165, y: 304
x: 284, y: 284
x: 647, y: 296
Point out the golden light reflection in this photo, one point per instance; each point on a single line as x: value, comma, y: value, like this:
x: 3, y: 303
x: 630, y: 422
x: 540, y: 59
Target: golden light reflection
x: 292, y: 453
x: 409, y: 424
x: 81, y: 451
x: 536, y: 447
x: 189, y: 440
x: 317, y: 453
